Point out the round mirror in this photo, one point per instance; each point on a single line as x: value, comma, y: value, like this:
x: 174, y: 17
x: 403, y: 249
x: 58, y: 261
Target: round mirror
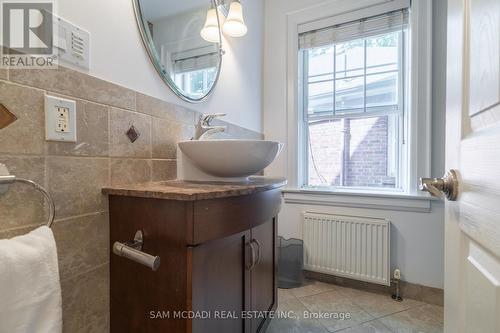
x: 183, y: 41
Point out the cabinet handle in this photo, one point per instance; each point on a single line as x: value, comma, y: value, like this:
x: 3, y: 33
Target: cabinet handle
x: 252, y: 256
x: 257, y: 261
x: 255, y: 258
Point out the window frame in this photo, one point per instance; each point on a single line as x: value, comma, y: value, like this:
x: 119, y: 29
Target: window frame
x: 419, y: 83
x: 400, y: 111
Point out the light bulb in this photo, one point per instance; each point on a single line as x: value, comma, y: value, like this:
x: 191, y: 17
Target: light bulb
x: 234, y: 25
x: 210, y: 31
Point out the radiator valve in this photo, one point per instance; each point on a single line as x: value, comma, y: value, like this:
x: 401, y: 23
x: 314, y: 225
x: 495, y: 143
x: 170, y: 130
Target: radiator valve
x: 396, y: 280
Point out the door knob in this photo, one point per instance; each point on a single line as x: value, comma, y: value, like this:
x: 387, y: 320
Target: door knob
x: 440, y: 187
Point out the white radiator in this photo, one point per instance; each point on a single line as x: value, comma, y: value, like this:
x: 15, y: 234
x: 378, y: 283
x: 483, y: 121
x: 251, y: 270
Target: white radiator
x: 348, y: 246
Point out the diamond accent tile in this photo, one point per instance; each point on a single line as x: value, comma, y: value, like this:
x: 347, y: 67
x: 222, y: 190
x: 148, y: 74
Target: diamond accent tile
x: 6, y: 117
x: 133, y: 134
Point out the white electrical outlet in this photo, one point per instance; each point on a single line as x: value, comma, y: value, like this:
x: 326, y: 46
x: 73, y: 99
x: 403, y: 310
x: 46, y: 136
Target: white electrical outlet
x: 60, y: 119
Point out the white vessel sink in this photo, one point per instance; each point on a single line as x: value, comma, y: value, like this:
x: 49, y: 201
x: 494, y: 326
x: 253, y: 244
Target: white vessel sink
x: 224, y: 160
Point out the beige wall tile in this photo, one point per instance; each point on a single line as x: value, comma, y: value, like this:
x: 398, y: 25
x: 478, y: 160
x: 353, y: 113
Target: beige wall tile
x: 120, y: 145
x: 86, y: 301
x: 186, y: 115
x: 165, y: 110
x: 422, y: 293
x: 23, y: 205
x: 76, y: 84
x: 82, y: 243
x: 130, y: 171
x: 4, y: 73
x: 92, y: 132
x: 163, y: 170
x: 99, y: 325
x: 27, y: 134
x: 76, y: 183
x: 7, y: 234
x: 166, y: 134
x: 238, y: 132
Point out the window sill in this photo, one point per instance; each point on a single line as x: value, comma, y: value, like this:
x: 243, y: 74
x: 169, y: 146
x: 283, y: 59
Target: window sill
x: 370, y: 200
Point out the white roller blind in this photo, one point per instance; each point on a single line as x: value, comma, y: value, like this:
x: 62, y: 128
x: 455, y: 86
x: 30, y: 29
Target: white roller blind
x: 195, y: 59
x: 358, y: 29
x: 196, y: 63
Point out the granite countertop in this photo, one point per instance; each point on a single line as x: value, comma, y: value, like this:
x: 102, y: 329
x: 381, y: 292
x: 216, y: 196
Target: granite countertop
x: 191, y: 191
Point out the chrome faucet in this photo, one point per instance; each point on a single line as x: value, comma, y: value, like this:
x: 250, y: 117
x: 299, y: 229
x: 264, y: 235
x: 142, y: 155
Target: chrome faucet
x: 205, y: 128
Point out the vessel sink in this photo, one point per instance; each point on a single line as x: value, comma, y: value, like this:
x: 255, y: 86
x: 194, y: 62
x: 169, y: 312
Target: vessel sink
x: 225, y: 160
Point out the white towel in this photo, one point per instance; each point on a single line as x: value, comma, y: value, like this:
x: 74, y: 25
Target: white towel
x: 30, y: 290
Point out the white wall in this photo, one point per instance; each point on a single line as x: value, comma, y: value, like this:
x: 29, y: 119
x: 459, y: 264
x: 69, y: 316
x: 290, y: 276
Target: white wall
x: 181, y: 31
x: 417, y: 238
x: 117, y: 55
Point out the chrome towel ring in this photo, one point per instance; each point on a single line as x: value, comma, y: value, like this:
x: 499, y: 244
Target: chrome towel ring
x: 6, y: 180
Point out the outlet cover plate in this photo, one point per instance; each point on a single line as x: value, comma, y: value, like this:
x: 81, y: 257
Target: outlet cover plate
x: 52, y: 104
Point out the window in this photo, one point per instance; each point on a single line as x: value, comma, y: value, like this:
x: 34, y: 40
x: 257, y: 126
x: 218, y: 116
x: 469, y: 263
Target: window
x: 196, y: 83
x: 352, y: 84
x: 195, y: 70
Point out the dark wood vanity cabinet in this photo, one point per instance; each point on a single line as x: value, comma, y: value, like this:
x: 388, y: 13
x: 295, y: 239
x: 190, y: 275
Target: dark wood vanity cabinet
x: 263, y: 275
x: 228, y: 278
x: 218, y: 264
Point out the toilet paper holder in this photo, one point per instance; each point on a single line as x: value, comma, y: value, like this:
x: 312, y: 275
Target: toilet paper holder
x: 133, y: 251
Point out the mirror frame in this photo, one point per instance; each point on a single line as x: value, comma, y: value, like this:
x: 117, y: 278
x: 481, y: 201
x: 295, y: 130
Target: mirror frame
x: 153, y: 56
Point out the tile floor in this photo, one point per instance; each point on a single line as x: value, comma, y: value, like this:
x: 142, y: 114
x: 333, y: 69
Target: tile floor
x: 363, y: 312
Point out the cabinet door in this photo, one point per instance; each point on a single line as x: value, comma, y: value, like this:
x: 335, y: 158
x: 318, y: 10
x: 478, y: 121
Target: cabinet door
x: 264, y: 288
x: 221, y: 284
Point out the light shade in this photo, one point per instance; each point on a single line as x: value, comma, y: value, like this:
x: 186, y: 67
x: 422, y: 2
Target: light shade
x: 210, y: 31
x: 235, y: 25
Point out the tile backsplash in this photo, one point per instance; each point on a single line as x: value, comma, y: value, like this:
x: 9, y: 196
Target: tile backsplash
x: 74, y: 173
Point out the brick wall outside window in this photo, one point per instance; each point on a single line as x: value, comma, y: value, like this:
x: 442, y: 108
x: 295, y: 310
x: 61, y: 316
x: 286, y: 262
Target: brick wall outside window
x: 365, y: 153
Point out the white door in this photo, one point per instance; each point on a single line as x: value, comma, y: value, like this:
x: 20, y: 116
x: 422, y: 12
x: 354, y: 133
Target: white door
x: 472, y: 229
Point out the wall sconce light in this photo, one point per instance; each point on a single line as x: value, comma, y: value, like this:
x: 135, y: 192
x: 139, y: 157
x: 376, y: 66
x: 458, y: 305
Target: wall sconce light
x: 233, y: 25
x: 210, y: 31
